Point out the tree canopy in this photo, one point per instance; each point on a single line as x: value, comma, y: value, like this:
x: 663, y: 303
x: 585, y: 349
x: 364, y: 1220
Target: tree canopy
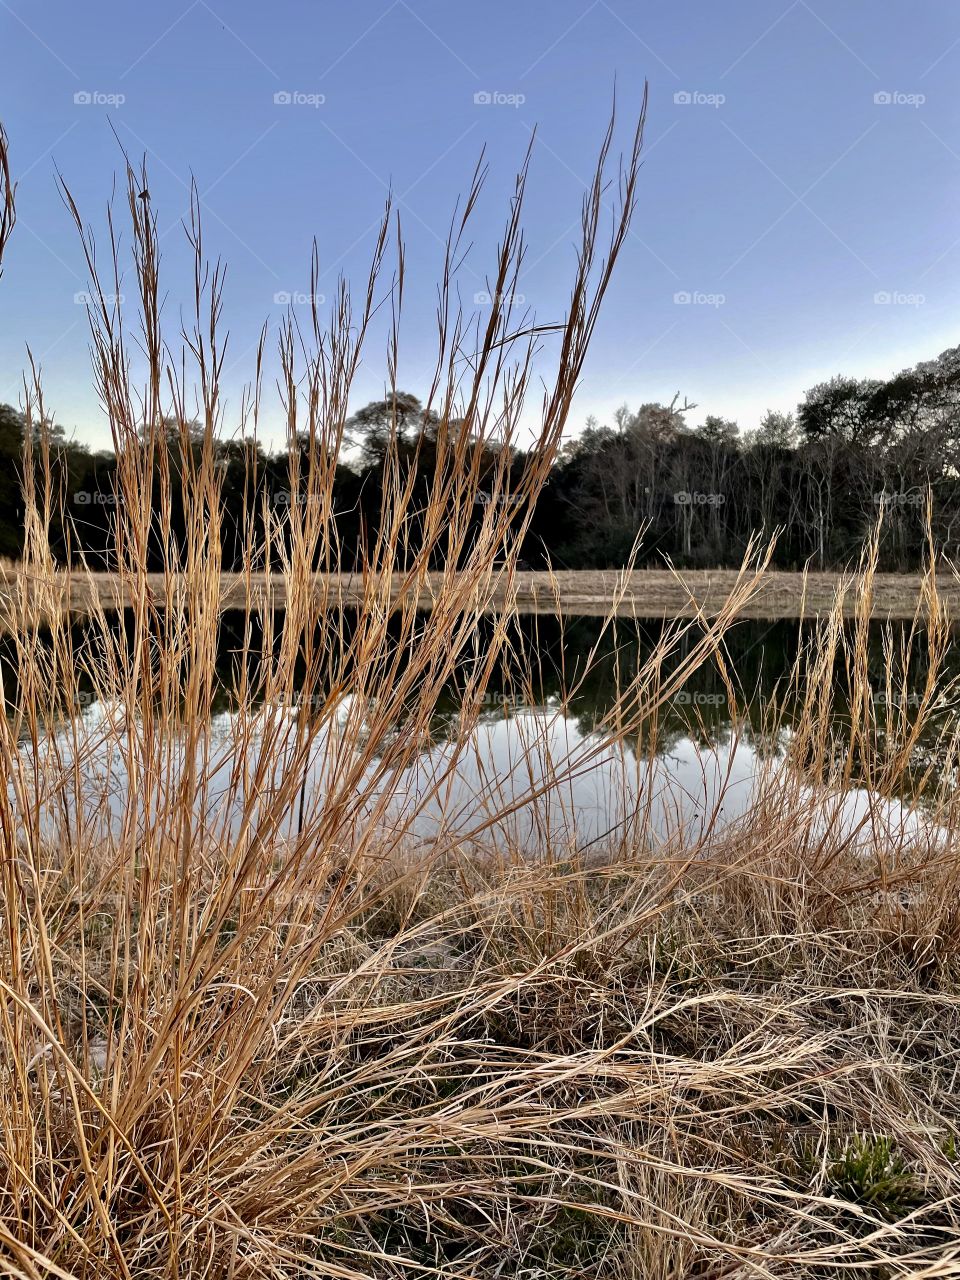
x: 856, y: 451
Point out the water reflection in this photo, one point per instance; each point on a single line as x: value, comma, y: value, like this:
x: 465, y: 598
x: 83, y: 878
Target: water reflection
x: 533, y: 766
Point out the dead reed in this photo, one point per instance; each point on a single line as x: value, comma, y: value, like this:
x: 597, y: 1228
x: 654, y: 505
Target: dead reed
x: 252, y: 1024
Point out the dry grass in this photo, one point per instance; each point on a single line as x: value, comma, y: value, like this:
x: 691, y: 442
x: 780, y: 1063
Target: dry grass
x: 645, y: 593
x: 255, y: 1028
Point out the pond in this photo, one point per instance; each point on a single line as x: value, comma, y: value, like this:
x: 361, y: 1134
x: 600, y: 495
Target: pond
x: 536, y: 762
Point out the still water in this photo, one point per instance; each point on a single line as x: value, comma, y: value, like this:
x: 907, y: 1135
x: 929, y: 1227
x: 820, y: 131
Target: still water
x: 536, y: 767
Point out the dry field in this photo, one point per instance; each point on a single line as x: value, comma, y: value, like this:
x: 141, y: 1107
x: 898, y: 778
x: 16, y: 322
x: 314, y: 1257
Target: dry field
x: 254, y: 1028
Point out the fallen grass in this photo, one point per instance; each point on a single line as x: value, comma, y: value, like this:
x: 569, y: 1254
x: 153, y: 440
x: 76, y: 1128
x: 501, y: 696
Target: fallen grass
x: 255, y: 1027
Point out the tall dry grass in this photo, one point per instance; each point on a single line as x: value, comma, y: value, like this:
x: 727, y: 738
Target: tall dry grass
x: 253, y: 1024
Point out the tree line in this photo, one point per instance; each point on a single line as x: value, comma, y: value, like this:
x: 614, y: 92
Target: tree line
x: 857, y: 452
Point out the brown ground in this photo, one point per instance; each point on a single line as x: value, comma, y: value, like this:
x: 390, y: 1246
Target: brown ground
x: 649, y: 593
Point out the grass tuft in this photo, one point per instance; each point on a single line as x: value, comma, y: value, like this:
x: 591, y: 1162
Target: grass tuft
x: 258, y: 1020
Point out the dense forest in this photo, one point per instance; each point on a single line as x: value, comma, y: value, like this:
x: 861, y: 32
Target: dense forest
x: 855, y: 452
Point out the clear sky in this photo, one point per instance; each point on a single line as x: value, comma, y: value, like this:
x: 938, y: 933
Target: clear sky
x: 779, y: 191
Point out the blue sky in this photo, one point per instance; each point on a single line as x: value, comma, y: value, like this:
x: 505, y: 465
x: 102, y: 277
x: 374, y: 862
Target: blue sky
x: 803, y: 159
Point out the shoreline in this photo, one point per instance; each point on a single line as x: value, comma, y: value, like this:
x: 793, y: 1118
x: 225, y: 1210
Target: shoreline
x: 644, y: 593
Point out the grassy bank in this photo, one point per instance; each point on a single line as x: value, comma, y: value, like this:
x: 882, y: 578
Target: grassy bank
x: 255, y: 1028
x: 646, y: 593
